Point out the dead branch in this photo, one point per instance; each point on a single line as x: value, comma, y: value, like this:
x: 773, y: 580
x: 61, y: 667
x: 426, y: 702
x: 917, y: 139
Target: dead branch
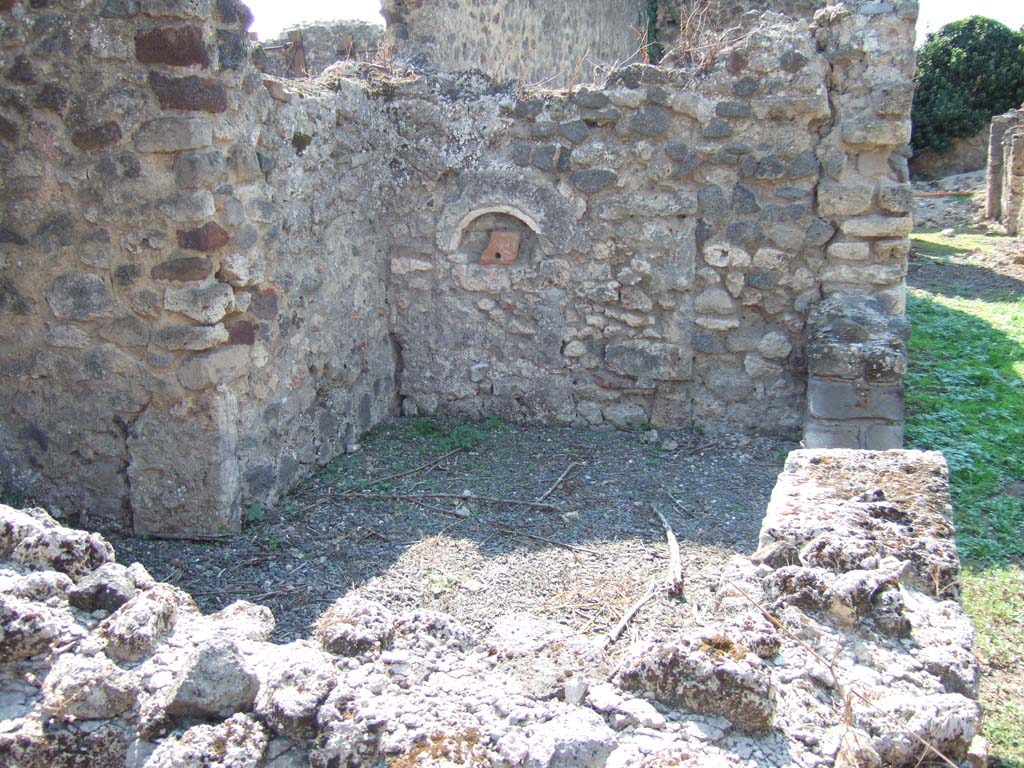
x: 561, y: 477
x: 831, y: 665
x: 674, y: 582
x: 421, y: 468
x: 562, y: 544
x: 414, y: 497
x: 624, y: 622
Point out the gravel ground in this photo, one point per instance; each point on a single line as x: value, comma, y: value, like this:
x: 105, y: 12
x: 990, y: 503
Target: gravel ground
x: 581, y: 560
x: 960, y: 210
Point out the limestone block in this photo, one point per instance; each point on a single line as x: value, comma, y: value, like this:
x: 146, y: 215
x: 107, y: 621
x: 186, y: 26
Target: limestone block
x: 239, y: 742
x: 245, y: 269
x: 188, y: 206
x: 183, y: 463
x: 354, y: 625
x: 203, y: 370
x: 133, y: 631
x: 579, y: 737
x: 107, y: 588
x: 653, y: 359
x: 198, y: 169
x: 484, y: 279
x: 26, y: 628
x: 862, y: 274
x: 841, y: 400
x: 79, y: 296
x: 88, y: 688
x: 207, y: 304
x: 213, y: 681
x: 877, y: 133
x: 592, y: 180
x: 193, y: 337
x: 185, y: 9
x: 774, y: 346
x: 849, y: 251
x: 895, y: 198
x: 714, y: 301
x: 844, y: 198
x: 878, y: 226
x: 173, y: 134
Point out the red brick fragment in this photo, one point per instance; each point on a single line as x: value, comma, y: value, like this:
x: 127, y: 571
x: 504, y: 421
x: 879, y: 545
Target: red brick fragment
x: 186, y: 269
x: 176, y: 46
x: 7, y: 5
x: 191, y: 93
x: 503, y: 247
x: 208, y: 237
x: 241, y: 332
x: 97, y: 136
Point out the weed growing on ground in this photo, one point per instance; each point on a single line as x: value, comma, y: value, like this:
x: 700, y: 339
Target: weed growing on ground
x: 965, y: 397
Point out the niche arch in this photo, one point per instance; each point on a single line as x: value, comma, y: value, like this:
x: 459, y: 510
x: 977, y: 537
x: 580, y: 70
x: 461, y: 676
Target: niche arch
x: 497, y: 236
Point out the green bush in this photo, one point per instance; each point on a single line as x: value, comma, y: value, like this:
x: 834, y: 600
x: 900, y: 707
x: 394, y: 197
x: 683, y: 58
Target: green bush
x: 967, y: 72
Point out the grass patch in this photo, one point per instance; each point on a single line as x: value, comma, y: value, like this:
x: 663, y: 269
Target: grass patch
x: 965, y: 397
x: 929, y: 241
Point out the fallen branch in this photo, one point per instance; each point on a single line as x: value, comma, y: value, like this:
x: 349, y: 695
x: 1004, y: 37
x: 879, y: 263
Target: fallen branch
x: 557, y: 482
x: 624, y: 622
x: 831, y: 666
x: 421, y: 468
x: 414, y: 497
x: 562, y: 544
x: 675, y: 563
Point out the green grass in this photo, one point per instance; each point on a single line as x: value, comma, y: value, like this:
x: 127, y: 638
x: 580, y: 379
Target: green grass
x: 930, y: 241
x: 965, y: 397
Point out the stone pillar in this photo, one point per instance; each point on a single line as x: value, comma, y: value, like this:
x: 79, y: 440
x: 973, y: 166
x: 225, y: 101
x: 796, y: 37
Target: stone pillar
x: 994, y: 175
x: 1013, y: 181
x: 856, y: 358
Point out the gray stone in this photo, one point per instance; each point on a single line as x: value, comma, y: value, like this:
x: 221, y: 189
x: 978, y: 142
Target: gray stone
x: 206, y: 304
x: 193, y: 337
x: 238, y: 742
x: 353, y: 625
x: 133, y: 631
x: 717, y: 128
x: 107, y: 588
x: 654, y: 359
x: 173, y: 134
x: 576, y: 131
x: 88, y: 688
x: 79, y: 296
x: 592, y: 180
x: 190, y: 206
x: 26, y: 628
x: 203, y: 370
x: 732, y: 109
x: 841, y: 400
x: 213, y: 682
x: 577, y: 739
x: 650, y: 121
x: 199, y: 169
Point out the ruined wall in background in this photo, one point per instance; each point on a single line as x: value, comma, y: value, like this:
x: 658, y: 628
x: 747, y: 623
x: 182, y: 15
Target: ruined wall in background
x: 322, y: 43
x: 187, y: 320
x: 213, y: 282
x: 530, y: 41
x: 964, y: 155
x: 673, y: 230
x: 1005, y: 171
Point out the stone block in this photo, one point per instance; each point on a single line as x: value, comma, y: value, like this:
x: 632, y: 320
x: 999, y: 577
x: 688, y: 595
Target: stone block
x: 592, y: 180
x: 173, y: 134
x: 876, y: 133
x: 79, y: 296
x: 849, y: 251
x: 241, y: 332
x: 245, y: 269
x: 878, y: 226
x: 650, y: 121
x: 831, y: 435
x: 175, y: 46
x: 862, y: 273
x: 189, y: 93
x: 97, y: 136
x: 187, y: 269
x: 651, y: 359
x: 209, y: 237
x: 188, y: 206
x: 882, y: 437
x: 895, y: 198
x: 183, y: 466
x: 207, y: 305
x: 182, y: 9
x: 203, y: 370
x: 191, y: 337
x: 127, y: 331
x: 844, y: 198
x: 198, y: 169
x: 842, y: 400
x: 714, y: 301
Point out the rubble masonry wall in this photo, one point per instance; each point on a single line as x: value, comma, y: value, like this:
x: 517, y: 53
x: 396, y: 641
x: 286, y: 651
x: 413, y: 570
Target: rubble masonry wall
x: 215, y: 282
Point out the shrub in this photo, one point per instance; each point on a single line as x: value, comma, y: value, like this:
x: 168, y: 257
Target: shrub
x: 967, y: 72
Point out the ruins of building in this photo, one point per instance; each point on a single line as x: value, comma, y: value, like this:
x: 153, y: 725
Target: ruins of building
x: 214, y: 282
x: 1005, y: 173
x: 306, y: 50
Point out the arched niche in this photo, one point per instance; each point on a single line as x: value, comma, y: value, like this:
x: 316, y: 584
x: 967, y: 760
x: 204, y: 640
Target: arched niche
x: 497, y: 236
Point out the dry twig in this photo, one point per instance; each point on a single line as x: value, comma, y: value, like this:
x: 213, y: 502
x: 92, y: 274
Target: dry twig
x: 675, y: 563
x: 415, y: 497
x: 561, y: 477
x: 421, y: 468
x: 624, y: 622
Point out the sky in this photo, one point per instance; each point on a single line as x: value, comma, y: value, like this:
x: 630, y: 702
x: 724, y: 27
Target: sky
x: 272, y: 16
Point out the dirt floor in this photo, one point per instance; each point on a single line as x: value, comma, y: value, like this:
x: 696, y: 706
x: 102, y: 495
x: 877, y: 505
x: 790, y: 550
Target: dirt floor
x: 579, y: 546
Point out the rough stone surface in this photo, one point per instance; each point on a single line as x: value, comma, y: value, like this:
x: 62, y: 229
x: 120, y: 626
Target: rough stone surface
x: 846, y: 540
x: 675, y: 228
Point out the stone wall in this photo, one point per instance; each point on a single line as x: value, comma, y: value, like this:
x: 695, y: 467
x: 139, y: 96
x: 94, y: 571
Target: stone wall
x: 531, y: 41
x: 868, y: 655
x: 1005, y: 172
x: 964, y: 155
x: 322, y: 43
x: 187, y: 318
x: 215, y: 281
